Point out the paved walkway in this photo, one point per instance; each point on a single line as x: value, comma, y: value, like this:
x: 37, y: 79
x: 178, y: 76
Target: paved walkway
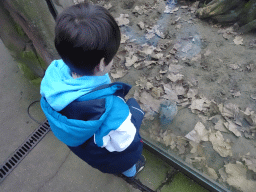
x: 50, y: 166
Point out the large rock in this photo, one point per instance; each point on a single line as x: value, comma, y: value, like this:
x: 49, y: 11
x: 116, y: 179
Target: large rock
x: 37, y: 22
x: 27, y: 30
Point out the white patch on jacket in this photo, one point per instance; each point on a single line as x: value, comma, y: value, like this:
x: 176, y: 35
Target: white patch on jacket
x: 119, y: 139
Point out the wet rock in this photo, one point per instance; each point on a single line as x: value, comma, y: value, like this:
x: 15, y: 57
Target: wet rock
x: 157, y: 92
x: 168, y: 110
x: 108, y: 6
x: 128, y: 4
x: 139, y: 10
x: 252, y: 44
x: 141, y: 25
x: 122, y: 20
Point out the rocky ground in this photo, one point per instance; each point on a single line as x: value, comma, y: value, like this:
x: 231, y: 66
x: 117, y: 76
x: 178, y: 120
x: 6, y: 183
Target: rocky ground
x: 208, y: 71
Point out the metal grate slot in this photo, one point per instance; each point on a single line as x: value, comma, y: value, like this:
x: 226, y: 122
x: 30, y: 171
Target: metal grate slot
x: 8, y: 165
x: 16, y: 156
x: 5, y: 169
x: 47, y: 124
x: 21, y: 152
x: 40, y: 131
x: 34, y: 139
x: 27, y: 147
x: 28, y: 144
x: 36, y: 136
x: 23, y: 148
x: 11, y: 162
x: 14, y: 160
x: 2, y: 171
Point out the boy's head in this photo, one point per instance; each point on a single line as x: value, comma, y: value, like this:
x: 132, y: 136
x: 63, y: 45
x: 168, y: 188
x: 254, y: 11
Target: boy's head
x: 84, y: 35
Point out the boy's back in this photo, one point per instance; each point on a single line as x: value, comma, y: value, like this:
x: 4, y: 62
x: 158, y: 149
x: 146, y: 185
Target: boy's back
x: 84, y: 110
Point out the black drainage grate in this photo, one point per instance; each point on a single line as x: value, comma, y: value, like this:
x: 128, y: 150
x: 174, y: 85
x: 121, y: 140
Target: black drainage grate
x: 22, y: 151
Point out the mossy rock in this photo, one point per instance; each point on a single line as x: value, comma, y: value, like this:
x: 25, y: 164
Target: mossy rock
x: 19, y: 30
x: 30, y: 75
x: 231, y: 11
x: 37, y: 23
x: 33, y: 61
x: 36, y: 82
x: 30, y: 55
x: 26, y: 71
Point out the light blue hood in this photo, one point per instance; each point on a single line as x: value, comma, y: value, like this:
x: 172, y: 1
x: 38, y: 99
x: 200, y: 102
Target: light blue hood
x: 59, y: 88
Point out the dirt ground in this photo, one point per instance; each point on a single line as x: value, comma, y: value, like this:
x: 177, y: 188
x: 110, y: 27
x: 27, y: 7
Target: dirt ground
x: 207, y: 70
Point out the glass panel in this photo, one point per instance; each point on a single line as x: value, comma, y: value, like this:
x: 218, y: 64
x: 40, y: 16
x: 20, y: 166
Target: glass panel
x: 195, y: 79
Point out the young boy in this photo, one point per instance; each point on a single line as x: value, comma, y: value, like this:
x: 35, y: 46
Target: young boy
x: 84, y: 109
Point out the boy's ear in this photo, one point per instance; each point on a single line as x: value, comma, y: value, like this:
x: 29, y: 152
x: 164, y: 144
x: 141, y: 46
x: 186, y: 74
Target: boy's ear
x: 101, y: 65
x: 100, y: 68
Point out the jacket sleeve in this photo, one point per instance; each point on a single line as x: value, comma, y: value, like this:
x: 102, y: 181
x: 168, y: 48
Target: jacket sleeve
x: 136, y: 111
x: 121, y: 138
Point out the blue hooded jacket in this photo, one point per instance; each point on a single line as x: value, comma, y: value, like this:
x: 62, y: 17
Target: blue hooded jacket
x: 91, y: 117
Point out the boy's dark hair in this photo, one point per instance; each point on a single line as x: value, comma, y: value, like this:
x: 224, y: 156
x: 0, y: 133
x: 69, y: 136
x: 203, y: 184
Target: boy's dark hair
x: 84, y: 34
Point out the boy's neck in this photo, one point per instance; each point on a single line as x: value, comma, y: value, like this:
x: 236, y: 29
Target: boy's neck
x: 75, y: 75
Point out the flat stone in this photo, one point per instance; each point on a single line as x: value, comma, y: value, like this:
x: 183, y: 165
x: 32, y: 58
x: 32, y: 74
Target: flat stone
x: 155, y: 171
x: 182, y: 183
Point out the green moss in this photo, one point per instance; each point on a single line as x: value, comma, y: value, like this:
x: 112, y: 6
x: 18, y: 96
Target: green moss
x: 248, y: 5
x: 31, y: 57
x: 181, y: 183
x: 36, y: 82
x: 12, y: 49
x: 155, y: 171
x: 19, y: 30
x: 36, y: 13
x: 26, y: 7
x: 27, y: 72
x: 41, y: 61
x: 205, y: 4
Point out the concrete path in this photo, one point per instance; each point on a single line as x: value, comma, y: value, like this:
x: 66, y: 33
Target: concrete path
x: 50, y: 166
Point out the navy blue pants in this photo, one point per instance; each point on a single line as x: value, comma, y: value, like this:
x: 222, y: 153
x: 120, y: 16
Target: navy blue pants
x: 114, y: 162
